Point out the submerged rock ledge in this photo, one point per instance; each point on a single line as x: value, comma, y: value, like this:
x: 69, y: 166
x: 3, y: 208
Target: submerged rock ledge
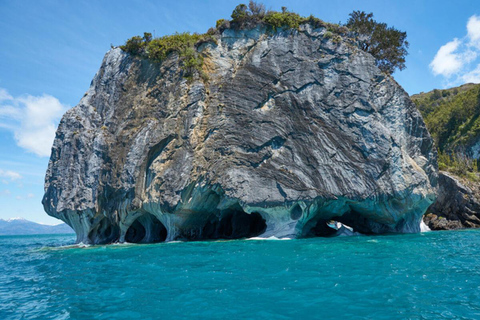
x: 291, y: 130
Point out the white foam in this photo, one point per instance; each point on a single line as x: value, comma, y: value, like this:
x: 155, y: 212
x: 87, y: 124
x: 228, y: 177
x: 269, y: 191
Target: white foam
x: 81, y: 245
x: 269, y: 238
x: 424, y: 227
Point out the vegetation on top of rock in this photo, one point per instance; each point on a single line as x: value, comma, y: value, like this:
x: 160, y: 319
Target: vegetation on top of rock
x: 253, y: 15
x: 245, y: 17
x: 453, y: 118
x: 387, y: 44
x: 158, y: 49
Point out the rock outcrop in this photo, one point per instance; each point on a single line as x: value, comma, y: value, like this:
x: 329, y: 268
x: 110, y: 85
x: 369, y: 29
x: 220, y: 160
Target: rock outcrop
x: 457, y: 205
x: 289, y: 131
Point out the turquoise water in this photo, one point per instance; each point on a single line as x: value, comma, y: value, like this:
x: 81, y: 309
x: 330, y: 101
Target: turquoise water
x: 423, y: 276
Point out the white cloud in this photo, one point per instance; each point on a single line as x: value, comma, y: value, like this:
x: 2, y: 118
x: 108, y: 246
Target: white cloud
x: 7, y: 111
x: 473, y: 28
x: 32, y: 119
x: 446, y: 61
x: 5, y: 193
x: 11, y: 175
x: 26, y: 197
x: 4, y: 95
x: 456, y: 60
x: 472, y: 76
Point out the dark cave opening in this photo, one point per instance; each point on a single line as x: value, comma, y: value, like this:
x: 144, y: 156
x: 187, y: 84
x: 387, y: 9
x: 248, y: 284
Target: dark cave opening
x: 135, y: 233
x: 146, y: 229
x: 104, y: 232
x: 322, y: 229
x: 354, y: 222
x: 234, y: 224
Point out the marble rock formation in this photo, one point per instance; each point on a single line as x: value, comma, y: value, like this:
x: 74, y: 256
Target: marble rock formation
x: 288, y: 131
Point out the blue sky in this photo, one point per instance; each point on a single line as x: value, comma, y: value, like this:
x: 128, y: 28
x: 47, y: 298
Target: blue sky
x: 50, y: 51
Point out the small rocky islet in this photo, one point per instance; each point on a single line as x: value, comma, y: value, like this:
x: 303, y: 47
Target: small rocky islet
x: 258, y: 132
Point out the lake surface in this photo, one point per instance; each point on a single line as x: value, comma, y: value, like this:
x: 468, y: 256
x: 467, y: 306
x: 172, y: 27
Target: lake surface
x: 421, y: 276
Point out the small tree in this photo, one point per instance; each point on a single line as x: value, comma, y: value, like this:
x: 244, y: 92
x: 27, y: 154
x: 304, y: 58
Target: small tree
x: 387, y: 44
x: 257, y: 9
x: 147, y: 37
x: 134, y: 45
x: 240, y: 13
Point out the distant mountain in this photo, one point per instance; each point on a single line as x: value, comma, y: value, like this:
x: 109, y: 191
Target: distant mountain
x: 19, y: 226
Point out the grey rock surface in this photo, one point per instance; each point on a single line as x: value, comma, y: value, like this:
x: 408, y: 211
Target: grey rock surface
x: 290, y: 130
x: 457, y: 205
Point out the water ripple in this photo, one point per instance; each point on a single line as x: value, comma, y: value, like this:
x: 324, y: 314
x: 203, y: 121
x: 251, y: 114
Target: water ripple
x: 427, y: 276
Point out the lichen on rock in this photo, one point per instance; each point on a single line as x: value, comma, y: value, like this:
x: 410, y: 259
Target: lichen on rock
x: 291, y: 130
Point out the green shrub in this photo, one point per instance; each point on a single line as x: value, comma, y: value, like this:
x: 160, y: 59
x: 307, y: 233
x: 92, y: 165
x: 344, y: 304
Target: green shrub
x: 158, y: 49
x: 182, y: 43
x: 147, y: 37
x: 134, y: 45
x: 219, y: 23
x: 314, y: 22
x: 223, y: 24
x: 192, y: 61
x: 240, y: 13
x: 285, y: 20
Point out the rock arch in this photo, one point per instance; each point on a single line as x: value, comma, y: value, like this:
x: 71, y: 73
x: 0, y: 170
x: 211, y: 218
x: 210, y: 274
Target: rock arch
x: 146, y: 229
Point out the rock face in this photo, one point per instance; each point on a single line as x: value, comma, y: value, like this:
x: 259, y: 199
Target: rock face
x: 457, y: 205
x: 291, y: 130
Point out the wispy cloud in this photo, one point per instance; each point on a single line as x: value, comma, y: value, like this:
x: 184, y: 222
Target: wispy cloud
x: 32, y: 119
x: 457, y: 60
x: 10, y: 175
x: 5, y: 193
x: 4, y: 95
x: 26, y: 197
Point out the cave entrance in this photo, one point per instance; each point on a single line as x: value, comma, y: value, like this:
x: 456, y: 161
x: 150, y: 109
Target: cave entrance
x: 104, y: 232
x: 350, y: 223
x: 234, y: 224
x: 323, y: 228
x: 146, y: 229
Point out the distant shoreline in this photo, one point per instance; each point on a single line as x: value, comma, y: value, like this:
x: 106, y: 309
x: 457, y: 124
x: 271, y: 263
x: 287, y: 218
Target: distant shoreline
x: 20, y: 226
